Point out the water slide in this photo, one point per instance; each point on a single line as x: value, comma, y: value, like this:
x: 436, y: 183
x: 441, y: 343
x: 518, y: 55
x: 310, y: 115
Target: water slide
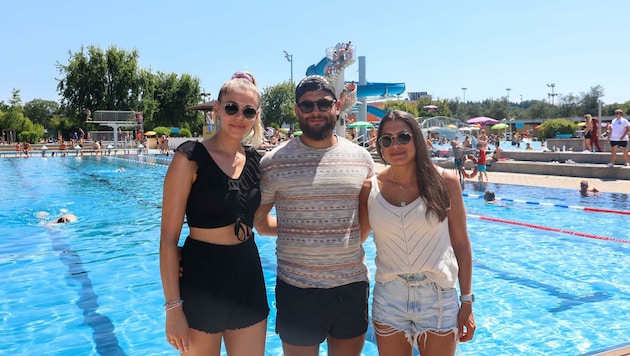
x: 369, y: 89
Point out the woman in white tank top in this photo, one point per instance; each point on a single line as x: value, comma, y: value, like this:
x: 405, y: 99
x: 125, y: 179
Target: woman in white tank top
x: 417, y: 213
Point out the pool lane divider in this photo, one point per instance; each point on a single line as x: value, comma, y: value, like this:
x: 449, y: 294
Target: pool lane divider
x: 547, y: 228
x: 576, y: 207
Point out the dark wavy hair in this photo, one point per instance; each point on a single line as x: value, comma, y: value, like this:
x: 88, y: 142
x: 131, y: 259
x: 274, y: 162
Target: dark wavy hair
x: 431, y: 185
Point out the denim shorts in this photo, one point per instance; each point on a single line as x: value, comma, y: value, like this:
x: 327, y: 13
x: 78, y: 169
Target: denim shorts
x: 414, y: 305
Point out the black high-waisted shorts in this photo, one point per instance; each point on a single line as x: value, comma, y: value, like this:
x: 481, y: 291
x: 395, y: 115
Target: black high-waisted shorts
x: 222, y: 286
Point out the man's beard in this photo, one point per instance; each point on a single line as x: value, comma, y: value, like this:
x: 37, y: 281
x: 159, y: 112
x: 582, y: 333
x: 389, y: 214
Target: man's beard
x: 318, y: 133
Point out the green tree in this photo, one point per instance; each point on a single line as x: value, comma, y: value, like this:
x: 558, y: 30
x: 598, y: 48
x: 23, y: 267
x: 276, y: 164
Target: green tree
x: 401, y: 105
x: 98, y: 80
x: 278, y: 102
x: 13, y: 122
x: 41, y: 111
x: 172, y: 95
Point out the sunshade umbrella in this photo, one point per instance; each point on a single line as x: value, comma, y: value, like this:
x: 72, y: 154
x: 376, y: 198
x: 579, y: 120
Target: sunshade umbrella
x: 297, y: 133
x: 499, y: 126
x: 150, y: 133
x: 451, y: 126
x: 358, y: 124
x: 482, y: 120
x: 582, y: 124
x: 430, y: 107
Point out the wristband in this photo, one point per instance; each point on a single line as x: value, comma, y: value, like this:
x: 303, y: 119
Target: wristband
x: 467, y: 298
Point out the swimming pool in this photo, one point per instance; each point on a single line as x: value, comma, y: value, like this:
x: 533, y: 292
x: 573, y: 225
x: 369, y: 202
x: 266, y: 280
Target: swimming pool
x: 93, y: 287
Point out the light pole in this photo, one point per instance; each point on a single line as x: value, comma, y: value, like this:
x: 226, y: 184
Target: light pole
x: 289, y: 58
x: 464, y: 92
x: 508, y: 93
x: 552, y: 96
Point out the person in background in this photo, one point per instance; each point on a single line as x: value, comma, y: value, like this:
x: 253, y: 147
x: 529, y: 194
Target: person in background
x: 595, y: 135
x: 481, y: 162
x: 588, y: 133
x: 489, y: 197
x: 25, y: 148
x: 585, y: 191
x: 458, y: 155
x: 618, y: 135
x: 314, y: 180
x: 215, y: 185
x: 417, y: 213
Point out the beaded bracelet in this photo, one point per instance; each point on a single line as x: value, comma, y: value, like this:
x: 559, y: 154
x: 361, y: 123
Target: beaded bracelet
x: 172, y: 304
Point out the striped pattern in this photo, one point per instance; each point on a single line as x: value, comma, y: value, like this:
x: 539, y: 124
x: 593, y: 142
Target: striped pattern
x: 315, y: 192
x: 407, y: 242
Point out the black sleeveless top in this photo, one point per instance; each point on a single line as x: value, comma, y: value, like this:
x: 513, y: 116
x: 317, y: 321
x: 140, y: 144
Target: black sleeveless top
x: 217, y: 200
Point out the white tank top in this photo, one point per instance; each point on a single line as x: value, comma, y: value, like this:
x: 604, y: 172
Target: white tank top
x: 407, y: 242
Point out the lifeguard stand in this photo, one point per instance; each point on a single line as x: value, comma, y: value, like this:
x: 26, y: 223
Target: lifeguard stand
x: 118, y: 119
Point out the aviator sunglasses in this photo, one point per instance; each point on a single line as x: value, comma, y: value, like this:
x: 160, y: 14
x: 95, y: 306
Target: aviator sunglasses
x: 403, y: 138
x: 323, y: 105
x: 248, y: 112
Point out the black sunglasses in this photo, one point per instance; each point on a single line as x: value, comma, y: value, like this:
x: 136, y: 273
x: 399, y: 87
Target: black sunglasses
x: 323, y: 105
x: 403, y: 138
x: 248, y: 111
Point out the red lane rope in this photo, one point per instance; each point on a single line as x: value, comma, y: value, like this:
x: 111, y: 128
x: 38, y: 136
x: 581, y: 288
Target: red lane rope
x: 540, y: 227
x: 611, y: 211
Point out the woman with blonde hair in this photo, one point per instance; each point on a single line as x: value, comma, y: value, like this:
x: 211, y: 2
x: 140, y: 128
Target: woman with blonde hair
x: 214, y: 186
x: 588, y: 132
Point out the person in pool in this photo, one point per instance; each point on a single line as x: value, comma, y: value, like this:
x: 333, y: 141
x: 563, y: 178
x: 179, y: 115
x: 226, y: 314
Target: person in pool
x: 66, y: 218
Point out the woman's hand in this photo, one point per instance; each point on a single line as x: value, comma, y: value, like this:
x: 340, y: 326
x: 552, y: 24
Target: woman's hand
x: 177, y: 329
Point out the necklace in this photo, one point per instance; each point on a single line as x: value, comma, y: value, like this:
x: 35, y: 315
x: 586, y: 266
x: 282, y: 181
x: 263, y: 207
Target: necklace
x: 403, y: 201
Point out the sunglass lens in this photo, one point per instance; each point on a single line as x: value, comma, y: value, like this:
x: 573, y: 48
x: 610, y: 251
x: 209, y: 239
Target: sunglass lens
x: 306, y: 106
x: 324, y: 105
x: 231, y: 109
x: 404, y: 138
x: 249, y: 113
x: 386, y: 141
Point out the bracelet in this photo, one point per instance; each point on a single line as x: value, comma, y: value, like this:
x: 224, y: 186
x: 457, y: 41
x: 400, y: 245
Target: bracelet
x: 172, y: 304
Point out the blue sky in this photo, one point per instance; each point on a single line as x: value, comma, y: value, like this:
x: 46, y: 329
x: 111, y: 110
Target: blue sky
x: 434, y: 46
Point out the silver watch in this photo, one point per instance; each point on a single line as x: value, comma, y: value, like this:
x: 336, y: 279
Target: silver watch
x: 469, y: 298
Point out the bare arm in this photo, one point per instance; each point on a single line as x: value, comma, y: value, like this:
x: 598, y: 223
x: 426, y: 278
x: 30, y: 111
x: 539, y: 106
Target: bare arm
x: 463, y: 253
x: 265, y: 223
x: 177, y: 185
x: 364, y: 218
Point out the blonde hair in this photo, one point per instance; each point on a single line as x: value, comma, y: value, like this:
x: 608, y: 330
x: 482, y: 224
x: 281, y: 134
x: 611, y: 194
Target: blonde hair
x: 247, y: 82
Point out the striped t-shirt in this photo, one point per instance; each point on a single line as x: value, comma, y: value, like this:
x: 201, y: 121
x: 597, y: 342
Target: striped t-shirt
x: 316, y: 195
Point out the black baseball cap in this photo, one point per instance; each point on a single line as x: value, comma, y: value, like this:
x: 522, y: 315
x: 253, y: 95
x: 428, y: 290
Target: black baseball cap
x: 314, y: 83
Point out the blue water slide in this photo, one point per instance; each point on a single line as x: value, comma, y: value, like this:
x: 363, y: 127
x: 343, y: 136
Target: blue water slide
x: 376, y: 111
x: 318, y: 69
x: 379, y: 89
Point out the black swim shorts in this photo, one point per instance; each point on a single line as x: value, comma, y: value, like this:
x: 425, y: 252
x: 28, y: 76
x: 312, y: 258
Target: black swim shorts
x: 306, y: 316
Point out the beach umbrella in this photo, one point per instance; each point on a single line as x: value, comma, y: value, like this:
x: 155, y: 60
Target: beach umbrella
x: 297, y: 133
x: 499, y: 126
x: 430, y: 107
x: 482, y: 120
x: 451, y: 126
x: 150, y: 133
x: 581, y: 124
x: 359, y: 124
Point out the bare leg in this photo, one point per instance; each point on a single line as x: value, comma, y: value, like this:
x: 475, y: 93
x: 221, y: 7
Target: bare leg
x: 613, y: 154
x: 395, y: 344
x: 293, y: 350
x: 202, y: 343
x: 345, y: 347
x: 249, y: 341
x: 432, y: 344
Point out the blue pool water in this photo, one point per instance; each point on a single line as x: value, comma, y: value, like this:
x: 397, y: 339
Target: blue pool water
x: 93, y: 287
